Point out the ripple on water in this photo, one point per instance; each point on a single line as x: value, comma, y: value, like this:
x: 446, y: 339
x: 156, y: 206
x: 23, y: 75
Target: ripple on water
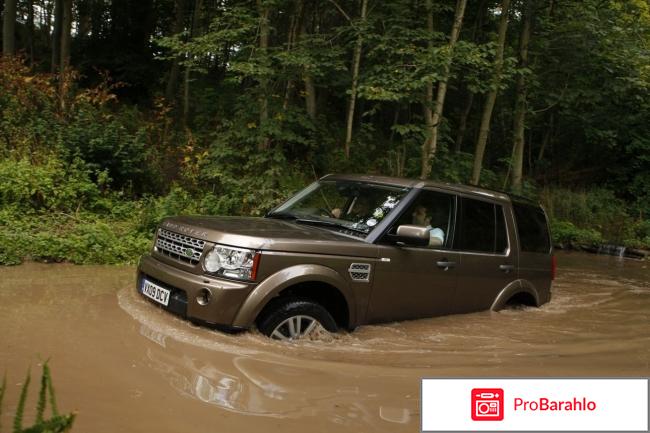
x: 590, y: 313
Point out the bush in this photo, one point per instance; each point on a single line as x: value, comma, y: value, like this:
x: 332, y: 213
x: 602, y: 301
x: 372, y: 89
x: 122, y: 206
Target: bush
x: 598, y: 210
x: 566, y: 234
x: 53, y: 185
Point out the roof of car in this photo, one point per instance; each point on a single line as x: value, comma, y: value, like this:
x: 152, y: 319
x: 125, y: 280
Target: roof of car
x: 417, y: 183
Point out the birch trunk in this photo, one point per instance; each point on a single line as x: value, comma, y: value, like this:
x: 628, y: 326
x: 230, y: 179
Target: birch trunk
x: 356, y: 62
x: 430, y: 145
x: 520, y: 105
x: 64, y: 60
x: 488, y: 106
x: 194, y: 30
x: 174, y: 71
x: 264, y: 142
x: 56, y: 35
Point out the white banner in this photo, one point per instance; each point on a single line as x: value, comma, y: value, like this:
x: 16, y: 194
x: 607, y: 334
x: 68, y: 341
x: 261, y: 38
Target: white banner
x: 535, y: 404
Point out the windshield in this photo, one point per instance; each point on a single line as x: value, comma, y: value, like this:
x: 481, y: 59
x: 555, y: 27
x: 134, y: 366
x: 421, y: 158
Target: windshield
x: 354, y: 207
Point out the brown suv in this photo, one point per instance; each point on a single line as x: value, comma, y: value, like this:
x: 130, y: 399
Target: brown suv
x: 351, y: 250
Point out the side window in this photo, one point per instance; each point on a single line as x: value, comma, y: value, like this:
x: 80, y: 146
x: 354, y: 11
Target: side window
x: 501, y: 246
x: 434, y: 210
x: 531, y: 229
x: 477, y: 226
x: 482, y: 227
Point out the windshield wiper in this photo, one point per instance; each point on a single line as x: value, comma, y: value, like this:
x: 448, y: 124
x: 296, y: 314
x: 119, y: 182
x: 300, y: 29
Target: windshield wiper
x: 282, y: 216
x: 328, y: 224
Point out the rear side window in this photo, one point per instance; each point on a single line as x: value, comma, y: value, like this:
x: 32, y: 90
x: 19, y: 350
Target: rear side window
x: 482, y: 227
x: 532, y: 228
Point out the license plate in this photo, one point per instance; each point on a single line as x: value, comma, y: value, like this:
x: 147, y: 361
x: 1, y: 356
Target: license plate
x: 155, y: 292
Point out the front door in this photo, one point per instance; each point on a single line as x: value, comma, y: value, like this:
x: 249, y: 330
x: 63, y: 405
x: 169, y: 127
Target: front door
x: 413, y: 282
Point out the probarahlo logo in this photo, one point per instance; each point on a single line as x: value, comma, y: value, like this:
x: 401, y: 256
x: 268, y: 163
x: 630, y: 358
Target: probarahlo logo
x: 487, y: 404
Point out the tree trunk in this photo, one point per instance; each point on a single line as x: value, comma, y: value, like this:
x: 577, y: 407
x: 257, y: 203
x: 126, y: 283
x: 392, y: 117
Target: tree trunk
x: 520, y: 105
x: 469, y: 101
x: 310, y: 87
x: 293, y: 35
x: 356, y: 62
x: 174, y: 72
x: 56, y: 35
x: 64, y: 61
x: 263, y: 9
x: 9, y: 28
x: 194, y: 31
x: 30, y: 32
x: 462, y: 122
x: 430, y: 145
x: 488, y: 106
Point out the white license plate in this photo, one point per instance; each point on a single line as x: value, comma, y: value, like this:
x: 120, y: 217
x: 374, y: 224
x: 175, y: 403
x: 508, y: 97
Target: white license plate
x: 155, y: 292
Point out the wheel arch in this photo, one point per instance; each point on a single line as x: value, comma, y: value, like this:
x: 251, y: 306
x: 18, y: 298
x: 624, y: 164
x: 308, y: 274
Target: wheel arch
x: 302, y: 281
x: 517, y: 288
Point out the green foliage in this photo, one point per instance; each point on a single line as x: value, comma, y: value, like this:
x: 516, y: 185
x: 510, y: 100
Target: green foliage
x: 597, y: 210
x: 88, y: 175
x: 56, y: 424
x: 566, y: 234
x: 53, y: 185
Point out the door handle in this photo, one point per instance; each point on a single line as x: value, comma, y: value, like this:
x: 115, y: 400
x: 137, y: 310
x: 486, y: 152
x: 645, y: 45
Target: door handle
x: 507, y: 268
x: 445, y: 264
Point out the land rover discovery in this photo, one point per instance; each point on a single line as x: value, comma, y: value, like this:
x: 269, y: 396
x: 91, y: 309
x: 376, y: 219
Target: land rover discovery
x: 350, y: 250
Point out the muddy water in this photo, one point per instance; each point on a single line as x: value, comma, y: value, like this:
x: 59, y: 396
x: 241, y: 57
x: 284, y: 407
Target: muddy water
x: 125, y: 365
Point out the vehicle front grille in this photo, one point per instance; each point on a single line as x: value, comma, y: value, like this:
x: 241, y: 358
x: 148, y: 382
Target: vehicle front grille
x: 180, y: 247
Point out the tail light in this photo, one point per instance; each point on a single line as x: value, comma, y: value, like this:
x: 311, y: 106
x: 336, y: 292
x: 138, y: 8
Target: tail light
x: 553, y: 267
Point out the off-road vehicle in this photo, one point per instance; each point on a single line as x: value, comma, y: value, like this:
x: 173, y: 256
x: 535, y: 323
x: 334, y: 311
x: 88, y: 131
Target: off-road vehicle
x: 350, y: 250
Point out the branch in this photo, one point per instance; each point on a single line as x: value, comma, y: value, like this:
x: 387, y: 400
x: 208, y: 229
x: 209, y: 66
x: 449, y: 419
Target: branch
x: 347, y: 17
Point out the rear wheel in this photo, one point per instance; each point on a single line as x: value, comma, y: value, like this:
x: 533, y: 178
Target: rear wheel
x: 296, y: 319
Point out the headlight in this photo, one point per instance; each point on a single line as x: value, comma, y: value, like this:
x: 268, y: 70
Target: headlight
x: 232, y: 262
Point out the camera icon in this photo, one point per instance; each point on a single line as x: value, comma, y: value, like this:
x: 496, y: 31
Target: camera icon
x: 487, y: 404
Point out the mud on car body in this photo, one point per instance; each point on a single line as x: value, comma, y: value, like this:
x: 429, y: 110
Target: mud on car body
x: 350, y: 250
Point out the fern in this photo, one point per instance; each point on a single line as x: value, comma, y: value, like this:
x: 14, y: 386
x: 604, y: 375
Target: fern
x: 50, y: 388
x: 40, y: 406
x: 18, y: 418
x: 56, y: 424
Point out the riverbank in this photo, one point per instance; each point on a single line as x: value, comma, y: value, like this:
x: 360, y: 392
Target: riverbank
x: 119, y: 232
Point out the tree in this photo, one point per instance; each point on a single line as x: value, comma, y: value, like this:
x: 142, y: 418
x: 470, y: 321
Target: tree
x: 174, y: 71
x: 9, y: 28
x: 194, y: 31
x: 263, y: 9
x: 55, y: 40
x: 491, y: 97
x: 433, y: 118
x: 64, y: 62
x: 520, y: 106
x: 356, y: 62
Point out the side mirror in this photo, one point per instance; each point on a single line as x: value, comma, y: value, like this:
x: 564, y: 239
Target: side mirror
x: 412, y: 235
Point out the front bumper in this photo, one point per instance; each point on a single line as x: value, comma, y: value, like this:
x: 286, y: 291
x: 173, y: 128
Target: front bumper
x: 226, y: 296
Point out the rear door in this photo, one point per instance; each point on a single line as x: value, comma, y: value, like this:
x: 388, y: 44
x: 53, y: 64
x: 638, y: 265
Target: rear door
x: 412, y: 282
x: 487, y: 262
x: 534, y: 247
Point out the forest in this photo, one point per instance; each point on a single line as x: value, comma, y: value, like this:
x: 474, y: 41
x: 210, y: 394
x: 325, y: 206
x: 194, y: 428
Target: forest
x: 117, y: 113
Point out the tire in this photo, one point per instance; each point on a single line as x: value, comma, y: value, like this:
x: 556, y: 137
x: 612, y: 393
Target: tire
x: 295, y: 319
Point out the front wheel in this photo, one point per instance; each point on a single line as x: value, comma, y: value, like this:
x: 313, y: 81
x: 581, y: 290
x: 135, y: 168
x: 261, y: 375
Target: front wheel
x: 296, y: 319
